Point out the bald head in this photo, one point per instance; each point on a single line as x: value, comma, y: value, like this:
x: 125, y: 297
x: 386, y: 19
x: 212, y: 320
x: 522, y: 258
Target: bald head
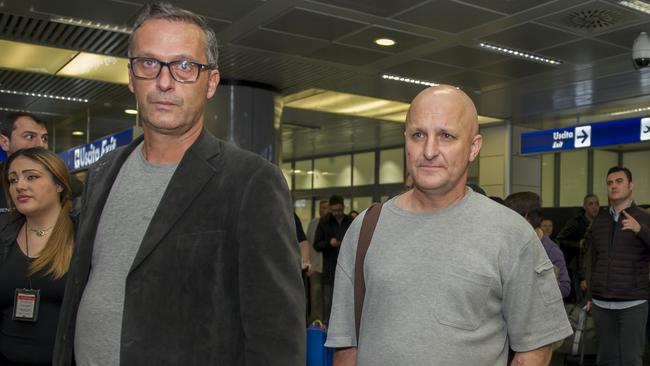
x: 446, y: 99
x: 441, y: 139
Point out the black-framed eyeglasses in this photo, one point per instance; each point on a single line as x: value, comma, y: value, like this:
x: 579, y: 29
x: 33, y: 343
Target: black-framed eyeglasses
x: 183, y: 71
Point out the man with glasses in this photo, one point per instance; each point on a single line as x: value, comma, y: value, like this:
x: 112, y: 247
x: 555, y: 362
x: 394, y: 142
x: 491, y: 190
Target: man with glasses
x: 329, y: 234
x: 186, y: 251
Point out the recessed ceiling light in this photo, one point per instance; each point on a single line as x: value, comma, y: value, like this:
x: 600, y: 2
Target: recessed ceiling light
x: 78, y: 133
x: 520, y: 54
x: 386, y: 42
x: 130, y: 111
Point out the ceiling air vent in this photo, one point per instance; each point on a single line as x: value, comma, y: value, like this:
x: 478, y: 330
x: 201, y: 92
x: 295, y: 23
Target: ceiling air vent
x: 592, y: 19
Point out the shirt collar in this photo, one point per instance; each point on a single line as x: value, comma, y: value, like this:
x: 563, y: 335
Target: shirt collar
x: 616, y: 215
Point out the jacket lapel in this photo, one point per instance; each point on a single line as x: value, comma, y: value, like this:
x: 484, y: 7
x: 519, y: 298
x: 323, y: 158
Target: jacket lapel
x: 193, y: 172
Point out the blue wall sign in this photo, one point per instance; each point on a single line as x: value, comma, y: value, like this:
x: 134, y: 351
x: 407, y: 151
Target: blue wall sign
x: 598, y: 134
x: 83, y: 156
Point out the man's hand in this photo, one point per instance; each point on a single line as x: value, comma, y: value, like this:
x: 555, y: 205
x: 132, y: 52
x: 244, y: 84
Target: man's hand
x: 537, y: 357
x: 583, y: 285
x: 587, y: 306
x: 630, y: 223
x: 305, y: 261
x: 335, y: 243
x: 306, y: 267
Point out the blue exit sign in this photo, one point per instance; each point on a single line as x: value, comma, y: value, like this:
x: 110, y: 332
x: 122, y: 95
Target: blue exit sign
x: 83, y: 156
x: 598, y: 134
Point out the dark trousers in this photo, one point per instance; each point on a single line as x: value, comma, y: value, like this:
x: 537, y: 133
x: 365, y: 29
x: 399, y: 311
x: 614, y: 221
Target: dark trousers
x: 316, y: 283
x: 328, y: 291
x: 620, y: 335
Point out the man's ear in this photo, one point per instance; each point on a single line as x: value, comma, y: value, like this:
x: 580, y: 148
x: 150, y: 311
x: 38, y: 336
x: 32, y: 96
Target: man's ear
x: 5, y: 143
x: 477, y: 142
x: 213, y: 82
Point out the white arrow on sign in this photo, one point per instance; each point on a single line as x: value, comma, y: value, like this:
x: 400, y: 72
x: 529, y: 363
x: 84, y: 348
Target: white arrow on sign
x: 582, y: 136
x: 645, y: 129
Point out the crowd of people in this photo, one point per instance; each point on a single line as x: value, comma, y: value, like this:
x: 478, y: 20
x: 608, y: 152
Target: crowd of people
x: 185, y: 249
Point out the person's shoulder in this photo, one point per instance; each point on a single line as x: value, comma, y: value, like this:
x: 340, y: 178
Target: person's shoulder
x: 549, y: 244
x: 638, y: 210
x: 9, y: 226
x: 239, y: 157
x: 324, y: 220
x: 603, y: 216
x: 641, y: 215
x: 491, y: 211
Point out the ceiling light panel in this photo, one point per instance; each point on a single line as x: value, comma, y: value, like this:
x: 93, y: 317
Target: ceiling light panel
x: 348, y: 104
x: 98, y: 67
x: 354, y: 105
x: 520, y: 54
x: 630, y: 111
x: 33, y: 58
x: 637, y: 5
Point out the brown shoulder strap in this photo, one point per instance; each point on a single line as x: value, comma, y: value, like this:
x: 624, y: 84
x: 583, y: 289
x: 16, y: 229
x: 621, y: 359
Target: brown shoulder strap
x: 365, y: 236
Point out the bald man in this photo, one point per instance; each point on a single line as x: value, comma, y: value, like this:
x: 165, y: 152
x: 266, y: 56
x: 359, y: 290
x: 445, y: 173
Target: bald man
x: 452, y: 277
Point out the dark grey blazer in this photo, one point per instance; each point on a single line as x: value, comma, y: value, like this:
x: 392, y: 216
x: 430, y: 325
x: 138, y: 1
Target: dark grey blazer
x: 216, y: 280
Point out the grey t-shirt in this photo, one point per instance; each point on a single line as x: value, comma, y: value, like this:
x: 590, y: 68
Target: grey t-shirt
x: 452, y: 287
x: 130, y: 206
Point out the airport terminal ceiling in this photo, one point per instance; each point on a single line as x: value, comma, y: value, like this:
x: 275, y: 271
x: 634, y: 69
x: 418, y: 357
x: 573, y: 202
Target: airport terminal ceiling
x: 540, y: 64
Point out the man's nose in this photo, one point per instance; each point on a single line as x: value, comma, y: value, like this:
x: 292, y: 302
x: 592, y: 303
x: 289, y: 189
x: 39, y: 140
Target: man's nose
x: 165, y: 81
x: 431, y: 147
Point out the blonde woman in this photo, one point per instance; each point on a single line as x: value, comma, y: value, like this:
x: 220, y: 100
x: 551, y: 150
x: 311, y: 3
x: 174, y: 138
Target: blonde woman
x: 36, y: 241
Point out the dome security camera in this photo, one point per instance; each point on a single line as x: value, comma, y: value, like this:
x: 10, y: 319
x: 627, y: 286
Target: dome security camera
x: 641, y: 51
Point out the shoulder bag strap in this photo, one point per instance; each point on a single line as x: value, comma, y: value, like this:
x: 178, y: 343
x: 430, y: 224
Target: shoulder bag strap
x: 365, y: 236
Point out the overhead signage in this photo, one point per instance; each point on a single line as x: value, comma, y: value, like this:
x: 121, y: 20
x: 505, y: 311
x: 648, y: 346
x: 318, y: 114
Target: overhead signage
x: 598, y: 134
x: 83, y: 156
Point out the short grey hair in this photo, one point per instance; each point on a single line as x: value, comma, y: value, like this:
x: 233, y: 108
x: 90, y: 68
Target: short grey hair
x: 167, y: 11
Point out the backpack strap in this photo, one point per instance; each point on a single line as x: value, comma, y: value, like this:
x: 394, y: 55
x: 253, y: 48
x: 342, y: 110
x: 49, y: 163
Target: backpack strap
x: 365, y: 236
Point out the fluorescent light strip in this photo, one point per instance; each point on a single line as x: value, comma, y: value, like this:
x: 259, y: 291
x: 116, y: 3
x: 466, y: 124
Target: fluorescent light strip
x: 92, y: 25
x: 520, y: 54
x: 38, y: 95
x: 408, y: 80
x: 636, y: 110
x: 14, y: 110
x: 636, y: 5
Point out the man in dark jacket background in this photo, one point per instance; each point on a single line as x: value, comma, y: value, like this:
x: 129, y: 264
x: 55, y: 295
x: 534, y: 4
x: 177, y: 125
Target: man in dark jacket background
x: 569, y: 239
x: 329, y: 234
x: 619, y: 241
